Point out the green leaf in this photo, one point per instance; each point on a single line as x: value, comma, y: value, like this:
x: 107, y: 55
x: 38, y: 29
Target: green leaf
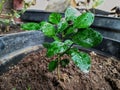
x: 30, y: 26
x: 68, y: 42
x: 81, y: 60
x: 46, y: 45
x: 47, y: 28
x: 71, y: 14
x: 84, y: 20
x: 57, y: 47
x: 55, y: 18
x: 29, y: 88
x: 70, y: 30
x: 87, y: 38
x: 64, y: 62
x: 62, y: 25
x: 52, y: 65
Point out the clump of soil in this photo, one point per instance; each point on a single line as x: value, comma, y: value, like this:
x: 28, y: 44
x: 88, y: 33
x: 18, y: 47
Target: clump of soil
x: 32, y: 74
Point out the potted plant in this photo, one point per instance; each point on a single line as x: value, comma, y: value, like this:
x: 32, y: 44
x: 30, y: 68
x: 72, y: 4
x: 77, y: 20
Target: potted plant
x: 104, y: 23
x: 66, y: 34
x: 32, y: 73
x: 107, y: 26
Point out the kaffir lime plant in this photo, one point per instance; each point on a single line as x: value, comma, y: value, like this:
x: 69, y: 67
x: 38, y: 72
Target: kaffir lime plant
x: 74, y: 28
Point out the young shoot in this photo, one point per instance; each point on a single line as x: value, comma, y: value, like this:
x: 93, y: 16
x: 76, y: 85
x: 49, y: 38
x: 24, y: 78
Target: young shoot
x: 73, y: 28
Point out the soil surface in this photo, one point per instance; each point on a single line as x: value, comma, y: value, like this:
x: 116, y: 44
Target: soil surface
x: 32, y: 74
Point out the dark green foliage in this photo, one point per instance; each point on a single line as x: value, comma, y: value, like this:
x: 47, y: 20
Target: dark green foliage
x: 73, y: 29
x: 52, y: 65
x: 82, y: 60
x: 57, y: 47
x: 55, y: 18
x: 47, y: 28
x: 69, y: 31
x: 84, y: 20
x: 62, y: 25
x: 71, y: 14
x: 30, y: 26
x: 64, y: 62
x: 87, y: 38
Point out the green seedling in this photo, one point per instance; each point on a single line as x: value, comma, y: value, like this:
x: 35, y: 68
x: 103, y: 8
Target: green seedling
x: 66, y: 31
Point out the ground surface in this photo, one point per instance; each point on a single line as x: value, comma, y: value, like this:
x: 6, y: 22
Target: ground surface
x: 32, y: 74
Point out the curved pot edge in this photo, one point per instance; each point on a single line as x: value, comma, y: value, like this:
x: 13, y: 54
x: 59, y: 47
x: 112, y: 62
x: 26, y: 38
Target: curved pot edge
x: 13, y: 58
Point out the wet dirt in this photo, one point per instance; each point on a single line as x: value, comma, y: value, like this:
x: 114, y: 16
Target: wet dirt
x: 32, y: 73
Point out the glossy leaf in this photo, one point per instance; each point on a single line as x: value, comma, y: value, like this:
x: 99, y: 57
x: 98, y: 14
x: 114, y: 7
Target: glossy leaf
x: 30, y: 26
x: 52, y: 65
x: 70, y: 30
x: 57, y: 47
x: 47, y: 28
x: 71, y: 14
x: 64, y: 62
x: 81, y: 60
x: 55, y: 18
x: 87, y: 38
x: 84, y: 20
x: 74, y: 27
x: 68, y: 42
x: 62, y: 25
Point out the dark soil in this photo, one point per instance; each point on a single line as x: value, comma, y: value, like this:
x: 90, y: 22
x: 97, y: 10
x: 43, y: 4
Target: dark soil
x: 32, y: 74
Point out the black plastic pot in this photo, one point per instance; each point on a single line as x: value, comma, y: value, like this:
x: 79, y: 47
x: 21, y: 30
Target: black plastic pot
x: 35, y: 16
x: 13, y: 48
x: 108, y: 26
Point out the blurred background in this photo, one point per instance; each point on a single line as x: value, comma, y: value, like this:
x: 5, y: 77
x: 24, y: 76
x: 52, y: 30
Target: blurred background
x: 107, y: 5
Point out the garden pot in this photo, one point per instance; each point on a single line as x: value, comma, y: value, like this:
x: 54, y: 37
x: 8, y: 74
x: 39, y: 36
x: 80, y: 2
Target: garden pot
x: 17, y: 45
x: 35, y: 15
x: 13, y: 47
x: 32, y: 73
x: 109, y: 27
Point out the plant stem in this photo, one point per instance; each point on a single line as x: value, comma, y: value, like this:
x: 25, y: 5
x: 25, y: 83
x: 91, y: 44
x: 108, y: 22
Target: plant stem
x: 56, y: 38
x: 58, y: 72
x: 67, y: 49
x: 58, y: 61
x: 58, y: 67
